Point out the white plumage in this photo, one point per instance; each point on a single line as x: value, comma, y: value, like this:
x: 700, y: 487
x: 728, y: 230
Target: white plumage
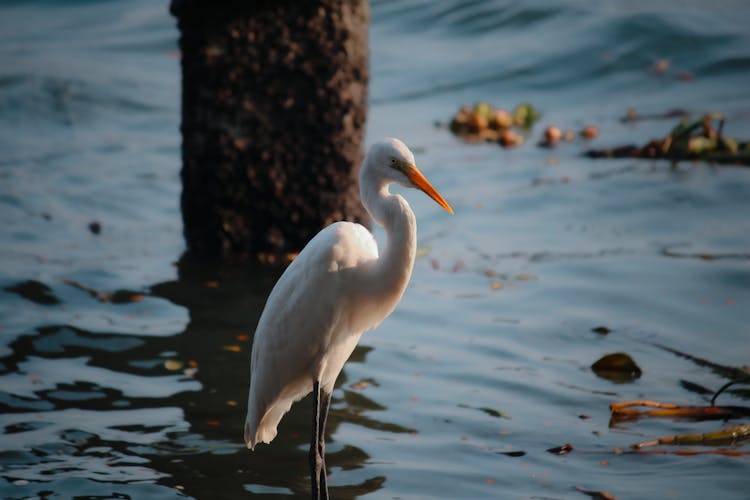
x: 335, y: 290
x: 306, y: 332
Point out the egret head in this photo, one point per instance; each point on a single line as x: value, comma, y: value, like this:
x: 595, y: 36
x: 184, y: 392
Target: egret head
x: 392, y: 161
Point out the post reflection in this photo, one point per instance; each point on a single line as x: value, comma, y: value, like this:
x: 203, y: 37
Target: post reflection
x: 225, y: 301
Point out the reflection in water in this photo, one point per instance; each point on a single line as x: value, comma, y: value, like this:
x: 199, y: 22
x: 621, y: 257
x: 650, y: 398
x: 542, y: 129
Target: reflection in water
x: 127, y: 407
x: 550, y: 245
x: 731, y: 373
x: 35, y: 291
x: 225, y: 302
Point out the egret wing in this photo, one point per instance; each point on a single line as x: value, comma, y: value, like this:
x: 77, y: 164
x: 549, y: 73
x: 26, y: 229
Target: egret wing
x: 304, y: 317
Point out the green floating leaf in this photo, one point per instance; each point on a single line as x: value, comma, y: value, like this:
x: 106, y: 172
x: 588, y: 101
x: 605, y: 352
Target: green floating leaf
x: 524, y: 115
x: 483, y: 109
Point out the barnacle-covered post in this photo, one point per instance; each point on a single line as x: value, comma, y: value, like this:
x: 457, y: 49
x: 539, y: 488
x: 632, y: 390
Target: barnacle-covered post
x: 273, y: 112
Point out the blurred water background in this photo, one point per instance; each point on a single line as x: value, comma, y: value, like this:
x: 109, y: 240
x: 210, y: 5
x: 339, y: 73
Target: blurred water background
x: 124, y: 366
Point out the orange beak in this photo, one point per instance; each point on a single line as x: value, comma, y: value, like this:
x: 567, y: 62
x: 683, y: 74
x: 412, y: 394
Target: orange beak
x: 419, y: 180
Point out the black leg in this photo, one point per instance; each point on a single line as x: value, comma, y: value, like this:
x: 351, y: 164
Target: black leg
x: 314, y: 456
x: 325, y: 402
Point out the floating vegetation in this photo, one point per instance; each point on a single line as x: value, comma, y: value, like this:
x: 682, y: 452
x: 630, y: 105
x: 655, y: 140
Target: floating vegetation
x: 719, y: 440
x: 489, y: 411
x: 601, y: 330
x: 589, y: 132
x: 729, y: 436
x: 624, y: 411
x: 484, y: 122
x: 596, y: 495
x: 702, y: 139
x: 554, y: 135
x: 561, y: 450
x: 515, y: 454
x: 735, y: 435
x: 617, y: 367
x: 632, y: 116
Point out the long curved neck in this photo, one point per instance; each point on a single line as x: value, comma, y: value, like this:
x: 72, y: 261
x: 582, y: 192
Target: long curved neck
x: 393, y: 269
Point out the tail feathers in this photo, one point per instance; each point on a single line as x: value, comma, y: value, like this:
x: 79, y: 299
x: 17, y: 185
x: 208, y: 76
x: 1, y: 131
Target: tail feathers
x: 249, y: 441
x: 261, y: 434
x: 262, y: 420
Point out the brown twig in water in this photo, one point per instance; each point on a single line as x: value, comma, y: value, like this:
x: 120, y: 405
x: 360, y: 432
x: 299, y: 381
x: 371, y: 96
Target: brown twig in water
x: 725, y: 437
x: 622, y: 410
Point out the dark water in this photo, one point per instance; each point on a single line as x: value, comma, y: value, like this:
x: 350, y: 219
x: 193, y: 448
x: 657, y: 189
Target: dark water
x: 124, y: 367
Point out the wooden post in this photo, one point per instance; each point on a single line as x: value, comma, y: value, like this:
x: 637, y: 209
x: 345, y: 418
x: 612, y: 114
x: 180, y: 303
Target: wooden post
x: 274, y: 97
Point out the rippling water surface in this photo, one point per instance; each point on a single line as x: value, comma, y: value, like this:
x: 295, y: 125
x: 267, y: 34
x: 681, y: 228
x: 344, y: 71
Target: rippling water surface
x: 124, y: 366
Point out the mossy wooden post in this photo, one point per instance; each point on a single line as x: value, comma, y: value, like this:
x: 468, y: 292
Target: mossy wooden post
x: 273, y: 113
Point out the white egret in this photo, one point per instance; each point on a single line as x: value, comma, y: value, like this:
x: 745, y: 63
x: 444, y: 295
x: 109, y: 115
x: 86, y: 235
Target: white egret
x: 337, y: 288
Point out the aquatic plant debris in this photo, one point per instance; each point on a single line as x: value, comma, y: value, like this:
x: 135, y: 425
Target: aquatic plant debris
x: 617, y: 367
x: 624, y: 411
x: 729, y: 372
x: 701, y: 139
x: 743, y: 380
x: 597, y: 495
x: 489, y: 411
x: 484, y: 122
x: 725, y: 452
x: 514, y: 454
x: 561, y: 450
x: 729, y: 436
x: 632, y: 115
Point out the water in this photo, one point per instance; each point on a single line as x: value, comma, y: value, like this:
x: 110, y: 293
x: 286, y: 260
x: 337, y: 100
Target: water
x: 124, y: 366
